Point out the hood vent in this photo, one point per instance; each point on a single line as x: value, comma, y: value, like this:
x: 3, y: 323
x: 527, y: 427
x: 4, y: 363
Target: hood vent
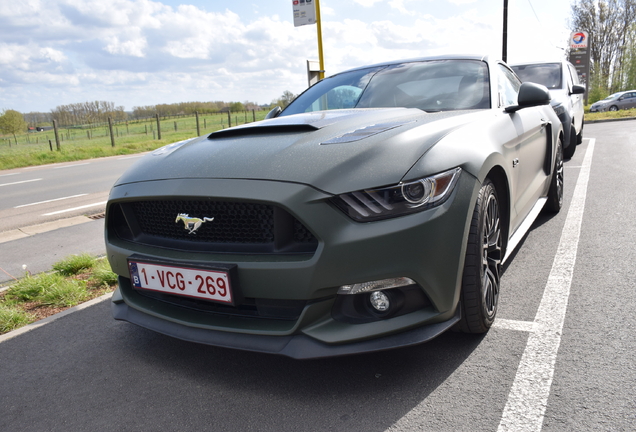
x: 364, y: 132
x: 264, y: 129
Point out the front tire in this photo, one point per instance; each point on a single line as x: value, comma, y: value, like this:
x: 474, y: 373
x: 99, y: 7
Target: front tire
x: 555, y: 193
x: 613, y: 108
x: 482, y: 267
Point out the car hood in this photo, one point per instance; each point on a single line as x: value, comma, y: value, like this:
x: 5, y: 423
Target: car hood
x: 333, y: 151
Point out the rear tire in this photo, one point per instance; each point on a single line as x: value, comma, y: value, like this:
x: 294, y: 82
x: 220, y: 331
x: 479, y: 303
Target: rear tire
x: 480, y: 280
x: 555, y: 193
x: 613, y: 108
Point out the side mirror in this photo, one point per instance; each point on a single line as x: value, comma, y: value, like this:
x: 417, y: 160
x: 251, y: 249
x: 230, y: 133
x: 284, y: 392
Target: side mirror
x: 578, y: 89
x: 530, y: 95
x: 273, y: 113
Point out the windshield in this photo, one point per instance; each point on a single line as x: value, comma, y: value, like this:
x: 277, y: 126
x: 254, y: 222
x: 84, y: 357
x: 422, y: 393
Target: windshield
x: 437, y: 85
x: 547, y: 74
x: 613, y: 96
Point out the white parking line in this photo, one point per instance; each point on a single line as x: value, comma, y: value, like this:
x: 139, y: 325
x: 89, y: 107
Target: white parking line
x: 528, y: 398
x: 74, y: 208
x: 48, y: 201
x: 23, y: 181
x: 71, y: 166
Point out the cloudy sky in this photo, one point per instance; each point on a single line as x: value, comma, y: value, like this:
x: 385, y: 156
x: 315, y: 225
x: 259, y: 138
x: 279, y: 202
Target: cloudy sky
x: 145, y: 52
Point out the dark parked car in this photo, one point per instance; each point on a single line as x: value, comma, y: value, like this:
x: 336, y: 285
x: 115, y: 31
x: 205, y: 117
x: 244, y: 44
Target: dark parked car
x: 374, y: 212
x: 562, y: 81
x: 616, y: 101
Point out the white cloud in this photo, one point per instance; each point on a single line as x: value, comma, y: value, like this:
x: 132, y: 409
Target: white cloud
x: 142, y: 52
x: 367, y: 3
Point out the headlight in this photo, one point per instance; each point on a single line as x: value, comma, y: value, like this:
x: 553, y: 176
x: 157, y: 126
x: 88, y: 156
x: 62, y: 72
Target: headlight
x: 399, y: 200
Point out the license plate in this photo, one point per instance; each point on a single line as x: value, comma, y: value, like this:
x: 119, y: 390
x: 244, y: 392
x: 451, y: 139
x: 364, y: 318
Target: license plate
x: 211, y: 285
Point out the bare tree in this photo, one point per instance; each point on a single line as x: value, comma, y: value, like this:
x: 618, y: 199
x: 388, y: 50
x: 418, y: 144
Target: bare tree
x: 608, y: 23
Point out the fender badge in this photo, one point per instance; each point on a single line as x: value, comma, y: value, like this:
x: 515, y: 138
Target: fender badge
x: 192, y: 224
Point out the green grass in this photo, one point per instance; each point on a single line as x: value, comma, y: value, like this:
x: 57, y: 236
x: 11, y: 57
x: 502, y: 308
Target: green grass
x: 608, y: 115
x: 103, y: 275
x: 74, y: 264
x: 12, y: 318
x: 50, y: 289
x: 82, y: 143
x: 74, y: 280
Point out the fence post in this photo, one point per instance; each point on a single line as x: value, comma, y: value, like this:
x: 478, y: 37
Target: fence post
x: 196, y: 114
x: 229, y: 119
x: 57, y: 137
x: 205, y: 124
x: 158, y: 127
x: 110, y: 128
x: 253, y: 116
x: 175, y: 126
x: 50, y: 145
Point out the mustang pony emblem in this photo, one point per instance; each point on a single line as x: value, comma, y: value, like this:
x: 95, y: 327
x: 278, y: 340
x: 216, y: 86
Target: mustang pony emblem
x: 192, y: 224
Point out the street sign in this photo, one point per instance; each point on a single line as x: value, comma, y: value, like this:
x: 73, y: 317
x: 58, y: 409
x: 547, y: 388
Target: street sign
x: 580, y: 57
x: 304, y: 12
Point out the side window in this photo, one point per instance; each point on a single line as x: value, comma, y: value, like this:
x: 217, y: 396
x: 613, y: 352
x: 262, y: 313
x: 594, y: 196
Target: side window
x: 574, y: 74
x: 508, y: 87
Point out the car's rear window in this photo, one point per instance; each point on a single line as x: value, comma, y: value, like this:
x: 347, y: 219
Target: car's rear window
x: 547, y: 74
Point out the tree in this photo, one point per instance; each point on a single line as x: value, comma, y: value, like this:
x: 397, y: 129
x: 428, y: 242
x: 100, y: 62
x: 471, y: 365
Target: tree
x: 286, y: 98
x: 12, y: 122
x: 608, y: 23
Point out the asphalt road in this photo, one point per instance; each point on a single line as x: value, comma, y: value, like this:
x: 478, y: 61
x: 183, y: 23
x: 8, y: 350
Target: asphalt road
x: 43, y: 212
x: 560, y: 358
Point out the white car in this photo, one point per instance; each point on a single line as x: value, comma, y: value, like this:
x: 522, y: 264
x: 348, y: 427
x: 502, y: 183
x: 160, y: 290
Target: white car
x: 562, y: 81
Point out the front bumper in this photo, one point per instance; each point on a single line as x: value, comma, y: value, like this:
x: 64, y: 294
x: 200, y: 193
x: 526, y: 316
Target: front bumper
x: 428, y: 247
x: 297, y: 346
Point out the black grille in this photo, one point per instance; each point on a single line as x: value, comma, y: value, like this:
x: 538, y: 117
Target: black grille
x: 208, y: 225
x: 234, y: 222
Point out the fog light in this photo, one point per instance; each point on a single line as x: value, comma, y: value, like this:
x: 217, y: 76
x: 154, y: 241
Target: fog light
x: 379, y: 301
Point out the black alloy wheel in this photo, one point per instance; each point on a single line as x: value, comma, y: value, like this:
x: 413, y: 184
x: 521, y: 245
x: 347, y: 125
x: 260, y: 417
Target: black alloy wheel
x: 482, y: 268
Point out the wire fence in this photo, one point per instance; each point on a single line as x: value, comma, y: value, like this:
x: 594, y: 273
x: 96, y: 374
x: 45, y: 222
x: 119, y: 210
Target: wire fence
x: 129, y: 131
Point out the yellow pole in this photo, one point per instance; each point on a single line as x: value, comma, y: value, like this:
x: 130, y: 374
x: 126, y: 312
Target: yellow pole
x: 321, y: 59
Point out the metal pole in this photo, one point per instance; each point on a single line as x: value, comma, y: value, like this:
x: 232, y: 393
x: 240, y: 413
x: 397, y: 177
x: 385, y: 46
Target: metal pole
x: 321, y: 59
x: 504, y: 54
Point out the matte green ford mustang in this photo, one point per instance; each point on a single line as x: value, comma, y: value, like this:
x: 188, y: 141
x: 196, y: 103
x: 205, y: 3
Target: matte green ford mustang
x: 374, y: 212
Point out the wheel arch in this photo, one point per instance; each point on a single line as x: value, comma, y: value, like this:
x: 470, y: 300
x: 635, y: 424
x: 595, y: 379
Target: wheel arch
x: 499, y: 178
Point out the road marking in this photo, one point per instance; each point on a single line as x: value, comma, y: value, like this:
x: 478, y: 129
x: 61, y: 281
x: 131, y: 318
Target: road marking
x: 528, y: 398
x: 74, y: 208
x: 48, y: 201
x: 71, y: 166
x: 10, y: 174
x: 131, y: 157
x: 526, y: 326
x: 23, y: 181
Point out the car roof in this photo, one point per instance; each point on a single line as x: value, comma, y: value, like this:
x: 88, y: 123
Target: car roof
x: 418, y: 59
x: 540, y: 63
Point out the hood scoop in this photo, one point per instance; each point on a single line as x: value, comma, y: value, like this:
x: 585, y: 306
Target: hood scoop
x: 263, y: 129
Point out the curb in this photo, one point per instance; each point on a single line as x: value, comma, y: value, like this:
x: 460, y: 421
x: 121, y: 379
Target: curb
x: 40, y: 323
x: 609, y: 120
